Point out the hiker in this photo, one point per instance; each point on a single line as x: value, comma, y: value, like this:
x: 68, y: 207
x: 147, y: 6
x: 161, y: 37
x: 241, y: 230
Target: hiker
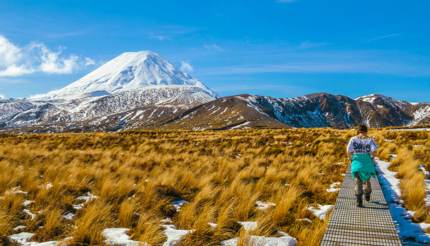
x: 361, y: 149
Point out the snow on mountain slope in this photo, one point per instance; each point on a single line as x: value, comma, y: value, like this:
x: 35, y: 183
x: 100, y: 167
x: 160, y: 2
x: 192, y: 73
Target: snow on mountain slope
x: 11, y: 107
x: 421, y: 115
x: 377, y: 99
x: 129, y: 71
x: 130, y: 81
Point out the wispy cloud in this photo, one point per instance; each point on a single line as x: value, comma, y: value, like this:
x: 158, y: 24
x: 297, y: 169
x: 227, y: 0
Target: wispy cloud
x: 382, y: 37
x: 168, y: 32
x: 67, y: 34
x: 260, y: 60
x: 309, y: 44
x: 213, y: 47
x: 186, y: 67
x: 321, y: 67
x: 36, y: 57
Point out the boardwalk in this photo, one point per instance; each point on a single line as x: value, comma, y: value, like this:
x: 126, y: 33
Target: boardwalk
x: 371, y: 225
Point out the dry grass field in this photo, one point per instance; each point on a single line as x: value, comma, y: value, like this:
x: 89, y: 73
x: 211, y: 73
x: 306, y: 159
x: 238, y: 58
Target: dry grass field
x: 73, y: 186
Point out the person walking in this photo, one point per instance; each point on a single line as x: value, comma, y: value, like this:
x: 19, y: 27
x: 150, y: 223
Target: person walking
x: 361, y: 152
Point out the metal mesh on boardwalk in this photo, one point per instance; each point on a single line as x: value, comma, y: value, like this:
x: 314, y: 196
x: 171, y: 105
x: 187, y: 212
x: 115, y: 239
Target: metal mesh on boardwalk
x: 350, y: 225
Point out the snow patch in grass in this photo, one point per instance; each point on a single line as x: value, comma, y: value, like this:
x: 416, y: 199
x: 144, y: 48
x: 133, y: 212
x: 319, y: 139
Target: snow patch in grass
x: 212, y: 225
x: 88, y: 197
x: 69, y: 216
x: 320, y: 211
x: 393, y: 182
x: 305, y: 220
x: 248, y: 225
x: 333, y: 187
x: 119, y: 236
x: 409, y: 231
x: 240, y: 125
x: 425, y: 226
x: 173, y: 235
x: 166, y: 221
x: 22, y: 237
x: 285, y: 240
x: 178, y: 204
x: 264, y: 205
x: 27, y: 202
x: 20, y: 227
x: 29, y: 213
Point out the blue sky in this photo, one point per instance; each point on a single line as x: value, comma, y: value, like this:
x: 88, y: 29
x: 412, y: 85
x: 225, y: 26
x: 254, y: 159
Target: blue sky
x: 281, y: 48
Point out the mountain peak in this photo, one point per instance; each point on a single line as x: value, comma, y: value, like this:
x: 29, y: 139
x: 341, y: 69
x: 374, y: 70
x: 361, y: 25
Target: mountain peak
x: 129, y: 71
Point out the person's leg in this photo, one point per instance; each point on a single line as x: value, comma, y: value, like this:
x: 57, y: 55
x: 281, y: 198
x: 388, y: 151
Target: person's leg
x: 367, y: 190
x: 359, y: 190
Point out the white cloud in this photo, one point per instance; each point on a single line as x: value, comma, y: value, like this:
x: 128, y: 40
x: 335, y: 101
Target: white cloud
x: 2, y: 96
x: 17, y: 61
x: 89, y: 61
x: 382, y: 37
x: 186, y: 67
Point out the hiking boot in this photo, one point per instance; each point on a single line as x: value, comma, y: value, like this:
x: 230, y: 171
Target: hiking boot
x: 367, y: 197
x: 360, y: 201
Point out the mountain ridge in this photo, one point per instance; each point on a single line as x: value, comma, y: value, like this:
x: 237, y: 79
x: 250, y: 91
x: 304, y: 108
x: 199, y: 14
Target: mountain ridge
x: 139, y: 90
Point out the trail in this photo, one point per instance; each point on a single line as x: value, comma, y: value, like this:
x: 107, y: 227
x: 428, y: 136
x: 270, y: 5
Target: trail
x: 370, y: 225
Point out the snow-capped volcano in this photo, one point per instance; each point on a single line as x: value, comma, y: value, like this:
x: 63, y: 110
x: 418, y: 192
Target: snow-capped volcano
x: 128, y: 72
x: 140, y: 81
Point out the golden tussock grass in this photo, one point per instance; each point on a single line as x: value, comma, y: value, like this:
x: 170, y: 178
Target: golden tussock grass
x: 138, y: 176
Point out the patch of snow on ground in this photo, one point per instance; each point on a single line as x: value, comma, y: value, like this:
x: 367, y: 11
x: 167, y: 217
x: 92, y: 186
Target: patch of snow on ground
x: 27, y: 202
x: 390, y: 176
x: 178, y: 204
x: 320, y: 211
x: 69, y: 216
x: 425, y: 226
x: 410, y: 129
x: 409, y: 232
x: 305, y: 219
x: 22, y: 237
x: 29, y: 213
x: 240, y: 125
x: 427, y: 181
x: 173, y: 235
x: 285, y: 240
x: 87, y: 197
x: 166, y: 221
x: 264, y: 205
x: 20, y: 227
x: 333, y: 187
x: 248, y: 225
x: 212, y: 225
x: 119, y: 236
x: 225, y: 110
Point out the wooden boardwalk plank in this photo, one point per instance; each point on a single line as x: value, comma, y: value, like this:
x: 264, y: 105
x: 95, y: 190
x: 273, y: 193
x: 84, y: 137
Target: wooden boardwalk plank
x: 350, y: 225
